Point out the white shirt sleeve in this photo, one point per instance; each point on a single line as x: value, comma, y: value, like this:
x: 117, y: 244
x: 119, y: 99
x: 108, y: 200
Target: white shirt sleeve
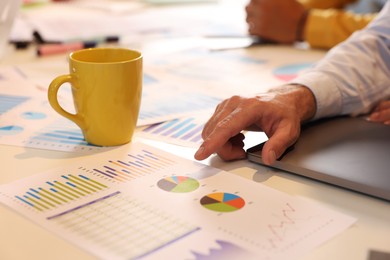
x: 355, y: 75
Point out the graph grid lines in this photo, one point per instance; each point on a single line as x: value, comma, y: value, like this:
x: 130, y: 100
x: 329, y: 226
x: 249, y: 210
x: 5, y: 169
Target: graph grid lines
x: 123, y: 226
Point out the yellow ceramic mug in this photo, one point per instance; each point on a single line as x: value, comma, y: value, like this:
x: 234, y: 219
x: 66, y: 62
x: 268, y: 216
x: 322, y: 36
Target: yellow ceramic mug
x: 106, y: 86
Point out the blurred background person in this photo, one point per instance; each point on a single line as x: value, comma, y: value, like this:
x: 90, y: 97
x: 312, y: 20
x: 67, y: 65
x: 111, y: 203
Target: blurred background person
x: 321, y: 23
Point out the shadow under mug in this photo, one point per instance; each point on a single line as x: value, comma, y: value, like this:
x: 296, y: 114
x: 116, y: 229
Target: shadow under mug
x: 106, y: 88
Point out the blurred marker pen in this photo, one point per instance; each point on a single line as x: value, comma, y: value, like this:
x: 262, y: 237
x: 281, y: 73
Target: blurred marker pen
x: 58, y: 48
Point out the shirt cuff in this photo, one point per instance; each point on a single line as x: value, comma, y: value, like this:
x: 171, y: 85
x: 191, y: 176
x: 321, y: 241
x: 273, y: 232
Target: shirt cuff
x: 328, y: 97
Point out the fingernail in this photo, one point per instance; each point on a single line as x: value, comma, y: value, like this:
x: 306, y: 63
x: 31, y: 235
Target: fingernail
x: 373, y: 116
x: 272, y: 156
x: 199, y: 152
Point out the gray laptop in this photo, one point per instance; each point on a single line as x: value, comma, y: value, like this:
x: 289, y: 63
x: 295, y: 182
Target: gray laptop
x: 348, y: 152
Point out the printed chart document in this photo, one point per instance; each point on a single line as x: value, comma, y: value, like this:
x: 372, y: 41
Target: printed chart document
x: 138, y: 19
x: 138, y: 202
x: 28, y: 120
x: 185, y: 131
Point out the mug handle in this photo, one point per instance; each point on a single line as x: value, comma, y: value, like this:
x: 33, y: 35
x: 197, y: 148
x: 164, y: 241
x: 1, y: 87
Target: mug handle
x: 53, y: 99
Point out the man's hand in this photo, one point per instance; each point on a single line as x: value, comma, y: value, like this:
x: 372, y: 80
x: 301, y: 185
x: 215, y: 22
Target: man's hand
x: 281, y: 21
x: 381, y: 113
x: 279, y: 113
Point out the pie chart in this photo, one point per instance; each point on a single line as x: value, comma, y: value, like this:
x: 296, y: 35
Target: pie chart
x: 291, y: 71
x: 222, y: 202
x: 10, y: 130
x: 178, y: 184
x: 33, y: 115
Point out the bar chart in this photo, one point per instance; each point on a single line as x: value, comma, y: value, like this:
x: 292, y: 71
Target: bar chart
x: 139, y: 201
x: 173, y: 103
x: 8, y: 102
x: 225, y: 250
x: 180, y: 131
x: 29, y: 122
x: 62, y: 132
x: 59, y: 192
x: 133, y: 166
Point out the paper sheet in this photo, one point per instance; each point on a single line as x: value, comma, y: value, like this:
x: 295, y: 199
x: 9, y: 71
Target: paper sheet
x: 137, y: 202
x: 93, y: 19
x: 185, y: 131
x: 232, y: 72
x: 28, y: 120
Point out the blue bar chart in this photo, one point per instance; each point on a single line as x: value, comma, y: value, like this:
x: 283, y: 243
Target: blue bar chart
x: 62, y: 132
x: 61, y: 135
x: 29, y: 122
x: 173, y: 104
x: 140, y: 201
x: 8, y: 102
x: 183, y: 131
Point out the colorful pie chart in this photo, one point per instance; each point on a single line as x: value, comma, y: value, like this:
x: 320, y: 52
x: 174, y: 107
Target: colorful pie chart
x: 291, y: 71
x: 178, y: 184
x: 222, y: 202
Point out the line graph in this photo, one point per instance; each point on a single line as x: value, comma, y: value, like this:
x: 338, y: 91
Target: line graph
x: 278, y: 230
x: 138, y: 201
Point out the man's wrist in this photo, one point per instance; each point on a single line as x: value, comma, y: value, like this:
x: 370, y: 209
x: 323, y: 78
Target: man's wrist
x: 300, y: 97
x: 306, y: 102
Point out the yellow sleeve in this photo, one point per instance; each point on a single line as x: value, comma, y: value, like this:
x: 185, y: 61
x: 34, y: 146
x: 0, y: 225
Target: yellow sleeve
x: 326, y: 28
x: 326, y: 4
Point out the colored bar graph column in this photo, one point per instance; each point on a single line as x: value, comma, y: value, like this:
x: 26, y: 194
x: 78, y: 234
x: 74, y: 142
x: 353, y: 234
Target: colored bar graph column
x: 185, y: 131
x: 8, y: 102
x: 59, y: 192
x: 133, y: 166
